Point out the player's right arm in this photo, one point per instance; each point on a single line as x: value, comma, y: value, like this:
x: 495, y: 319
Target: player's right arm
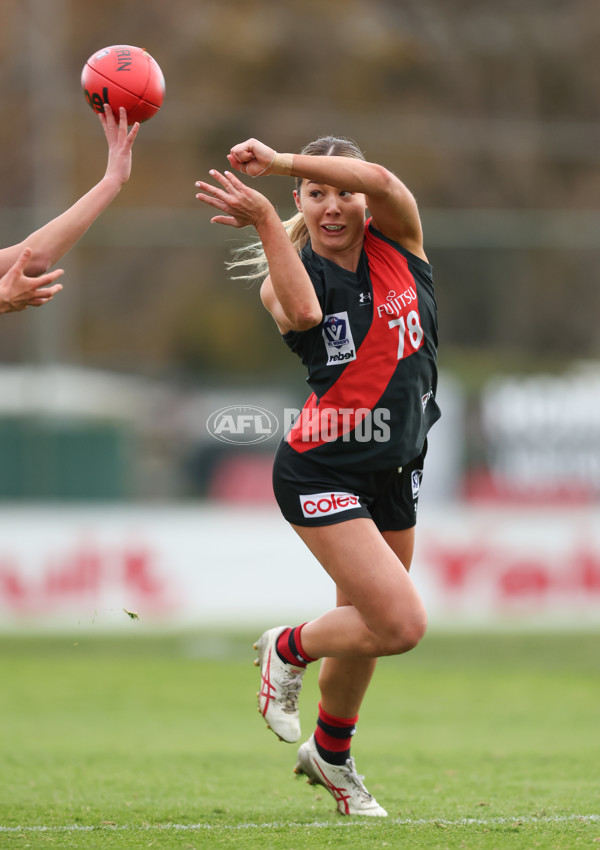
x: 52, y: 241
x: 287, y: 292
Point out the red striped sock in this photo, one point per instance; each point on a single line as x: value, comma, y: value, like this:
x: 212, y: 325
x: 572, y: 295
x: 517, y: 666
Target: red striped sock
x: 289, y: 647
x: 333, y: 736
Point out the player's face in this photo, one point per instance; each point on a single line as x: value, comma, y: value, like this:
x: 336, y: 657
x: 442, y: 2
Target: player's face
x: 334, y: 217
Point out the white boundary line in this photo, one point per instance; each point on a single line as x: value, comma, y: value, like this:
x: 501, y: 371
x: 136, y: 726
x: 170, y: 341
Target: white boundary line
x: 197, y: 827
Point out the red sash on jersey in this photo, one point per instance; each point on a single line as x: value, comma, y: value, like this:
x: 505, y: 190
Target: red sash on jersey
x: 364, y: 380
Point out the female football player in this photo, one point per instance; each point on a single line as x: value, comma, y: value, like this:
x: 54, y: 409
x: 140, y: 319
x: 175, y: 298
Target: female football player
x: 352, y: 294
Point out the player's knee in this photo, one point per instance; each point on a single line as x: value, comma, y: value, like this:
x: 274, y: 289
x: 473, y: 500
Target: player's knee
x: 405, y: 634
x: 414, y: 632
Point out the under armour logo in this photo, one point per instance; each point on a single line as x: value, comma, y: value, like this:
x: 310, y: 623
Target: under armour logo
x: 364, y: 298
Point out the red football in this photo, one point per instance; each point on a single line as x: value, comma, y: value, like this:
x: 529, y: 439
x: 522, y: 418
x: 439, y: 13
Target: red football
x: 127, y: 76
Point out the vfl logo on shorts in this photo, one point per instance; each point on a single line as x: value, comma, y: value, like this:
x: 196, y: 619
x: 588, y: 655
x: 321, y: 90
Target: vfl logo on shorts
x: 415, y: 480
x: 325, y: 504
x: 338, y: 338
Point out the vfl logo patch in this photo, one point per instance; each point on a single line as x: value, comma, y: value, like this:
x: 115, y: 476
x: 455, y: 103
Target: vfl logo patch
x: 325, y: 504
x: 415, y: 479
x: 338, y: 338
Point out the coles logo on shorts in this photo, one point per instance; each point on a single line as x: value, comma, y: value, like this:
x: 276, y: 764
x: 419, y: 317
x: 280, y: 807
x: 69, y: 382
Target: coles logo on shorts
x: 325, y: 504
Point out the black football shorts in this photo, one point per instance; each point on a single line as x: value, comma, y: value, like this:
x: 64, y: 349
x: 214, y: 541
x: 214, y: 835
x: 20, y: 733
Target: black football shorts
x: 310, y: 493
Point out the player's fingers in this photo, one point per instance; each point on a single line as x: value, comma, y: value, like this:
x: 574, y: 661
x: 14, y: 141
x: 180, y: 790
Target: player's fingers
x: 107, y: 117
x: 226, y: 219
x: 230, y: 182
x: 122, y: 126
x: 50, y: 277
x: 21, y: 261
x: 211, y: 191
x: 133, y: 133
x: 114, y: 126
x: 240, y: 161
x: 51, y: 291
x: 200, y: 184
x: 244, y: 150
x: 41, y: 299
x: 234, y: 181
x: 224, y: 194
x: 220, y: 178
x: 42, y: 296
x: 211, y: 201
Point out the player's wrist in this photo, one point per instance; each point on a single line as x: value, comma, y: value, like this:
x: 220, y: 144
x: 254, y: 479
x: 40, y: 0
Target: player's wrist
x: 281, y: 165
x: 265, y: 219
x: 111, y: 184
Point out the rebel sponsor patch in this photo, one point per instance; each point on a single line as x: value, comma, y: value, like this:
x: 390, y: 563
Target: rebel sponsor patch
x: 325, y: 504
x: 338, y: 338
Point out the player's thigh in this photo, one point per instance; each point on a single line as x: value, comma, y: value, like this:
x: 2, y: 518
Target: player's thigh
x: 402, y: 544
x: 365, y: 569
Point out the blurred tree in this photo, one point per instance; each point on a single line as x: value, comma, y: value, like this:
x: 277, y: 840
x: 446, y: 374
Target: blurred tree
x: 477, y: 106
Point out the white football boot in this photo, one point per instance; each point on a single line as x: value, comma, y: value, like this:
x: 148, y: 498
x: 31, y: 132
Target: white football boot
x: 342, y: 782
x: 280, y: 685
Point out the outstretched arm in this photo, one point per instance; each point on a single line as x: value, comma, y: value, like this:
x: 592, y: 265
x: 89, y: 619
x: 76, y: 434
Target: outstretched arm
x: 287, y: 292
x: 52, y: 241
x: 17, y: 291
x: 389, y: 201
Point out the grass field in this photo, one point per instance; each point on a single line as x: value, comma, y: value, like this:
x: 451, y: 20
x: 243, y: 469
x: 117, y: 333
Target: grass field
x: 471, y: 741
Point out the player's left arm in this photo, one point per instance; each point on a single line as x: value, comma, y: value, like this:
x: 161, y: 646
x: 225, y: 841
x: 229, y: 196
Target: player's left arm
x: 395, y: 213
x: 52, y: 241
x: 390, y: 202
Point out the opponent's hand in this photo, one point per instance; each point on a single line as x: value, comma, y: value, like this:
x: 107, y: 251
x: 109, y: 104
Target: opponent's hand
x: 239, y: 205
x: 119, y: 142
x: 17, y: 291
x: 251, y: 157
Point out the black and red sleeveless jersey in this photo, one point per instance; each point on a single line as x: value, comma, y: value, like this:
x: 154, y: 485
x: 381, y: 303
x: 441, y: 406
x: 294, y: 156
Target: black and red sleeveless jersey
x: 372, y: 360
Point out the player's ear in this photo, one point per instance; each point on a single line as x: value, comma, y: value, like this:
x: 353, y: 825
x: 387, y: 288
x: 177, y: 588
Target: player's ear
x: 297, y: 199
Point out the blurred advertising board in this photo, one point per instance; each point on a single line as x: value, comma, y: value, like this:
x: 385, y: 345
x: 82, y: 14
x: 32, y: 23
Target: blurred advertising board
x: 202, y: 565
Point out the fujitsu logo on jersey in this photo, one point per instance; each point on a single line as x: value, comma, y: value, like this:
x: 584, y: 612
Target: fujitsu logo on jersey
x: 395, y: 304
x: 338, y: 338
x: 324, y: 504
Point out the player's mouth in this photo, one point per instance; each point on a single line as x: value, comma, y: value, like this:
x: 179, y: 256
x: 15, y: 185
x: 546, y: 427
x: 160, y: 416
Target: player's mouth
x: 333, y: 228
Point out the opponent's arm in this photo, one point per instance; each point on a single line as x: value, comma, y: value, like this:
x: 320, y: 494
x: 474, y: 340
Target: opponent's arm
x: 55, y: 238
x: 287, y: 292
x: 392, y: 205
